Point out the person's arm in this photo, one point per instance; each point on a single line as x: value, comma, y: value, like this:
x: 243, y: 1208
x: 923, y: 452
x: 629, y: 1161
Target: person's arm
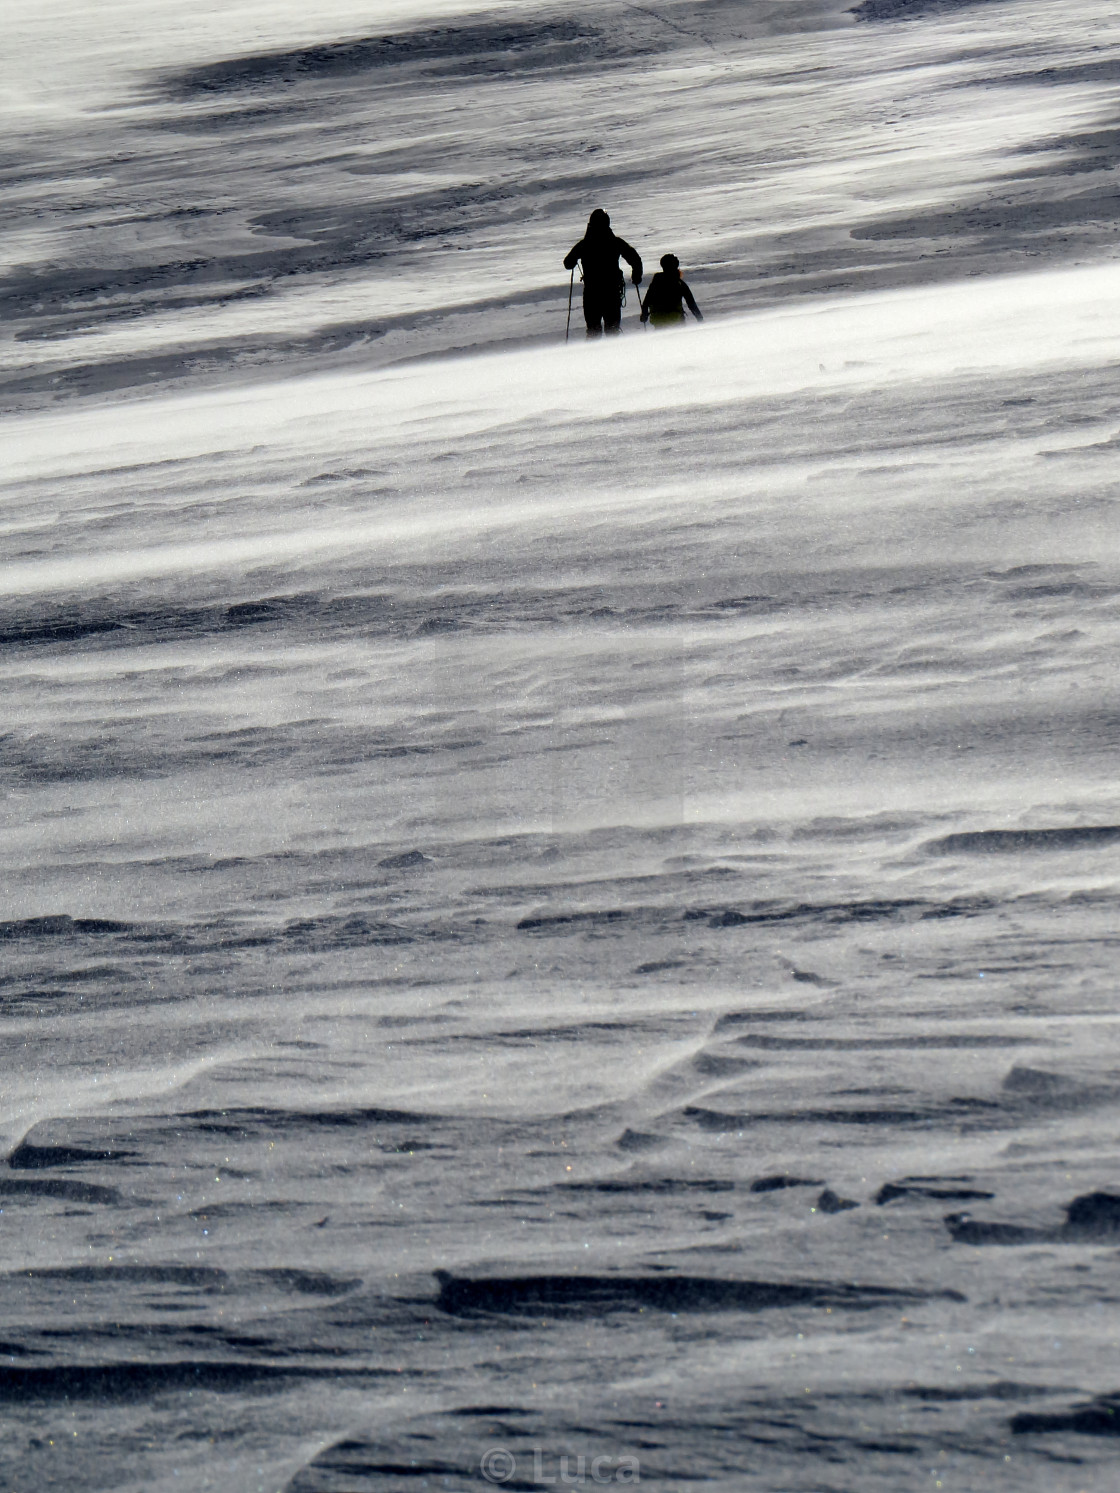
x: 571, y: 258
x: 649, y: 296
x: 692, y: 306
x: 632, y: 258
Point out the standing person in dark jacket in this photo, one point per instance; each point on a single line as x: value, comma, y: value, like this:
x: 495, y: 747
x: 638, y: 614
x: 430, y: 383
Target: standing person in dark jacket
x: 667, y: 290
x: 598, y: 253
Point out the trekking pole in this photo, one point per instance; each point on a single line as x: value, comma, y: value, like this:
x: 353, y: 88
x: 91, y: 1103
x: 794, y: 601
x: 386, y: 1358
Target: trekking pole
x: 571, y: 287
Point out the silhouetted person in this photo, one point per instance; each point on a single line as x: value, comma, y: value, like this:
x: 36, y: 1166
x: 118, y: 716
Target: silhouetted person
x: 598, y: 252
x: 663, y: 302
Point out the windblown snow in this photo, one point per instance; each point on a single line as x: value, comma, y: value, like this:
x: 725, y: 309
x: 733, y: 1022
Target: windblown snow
x: 559, y: 898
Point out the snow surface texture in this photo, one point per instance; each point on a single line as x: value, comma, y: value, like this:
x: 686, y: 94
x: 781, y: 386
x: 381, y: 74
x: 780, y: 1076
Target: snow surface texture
x: 559, y: 901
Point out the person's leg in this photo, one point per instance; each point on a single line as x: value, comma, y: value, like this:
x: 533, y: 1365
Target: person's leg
x: 612, y: 315
x: 592, y: 313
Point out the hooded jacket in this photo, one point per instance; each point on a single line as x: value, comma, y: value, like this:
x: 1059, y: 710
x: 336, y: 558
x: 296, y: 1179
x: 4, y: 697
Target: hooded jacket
x: 598, y: 252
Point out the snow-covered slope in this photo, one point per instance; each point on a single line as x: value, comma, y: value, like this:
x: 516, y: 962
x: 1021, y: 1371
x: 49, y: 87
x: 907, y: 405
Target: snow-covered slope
x: 226, y: 196
x: 637, y: 820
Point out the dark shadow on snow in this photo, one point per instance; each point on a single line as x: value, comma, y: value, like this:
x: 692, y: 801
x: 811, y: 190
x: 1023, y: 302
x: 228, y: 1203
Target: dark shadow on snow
x: 910, y: 10
x: 1026, y: 841
x: 1099, y: 1417
x: 138, y: 1382
x: 464, y: 51
x: 596, y: 1295
x: 1093, y: 1218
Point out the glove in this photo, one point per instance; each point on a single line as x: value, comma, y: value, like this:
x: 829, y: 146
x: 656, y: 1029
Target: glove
x: 637, y: 279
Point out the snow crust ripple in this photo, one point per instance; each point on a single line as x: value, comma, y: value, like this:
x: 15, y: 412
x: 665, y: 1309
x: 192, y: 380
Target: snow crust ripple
x: 562, y: 901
